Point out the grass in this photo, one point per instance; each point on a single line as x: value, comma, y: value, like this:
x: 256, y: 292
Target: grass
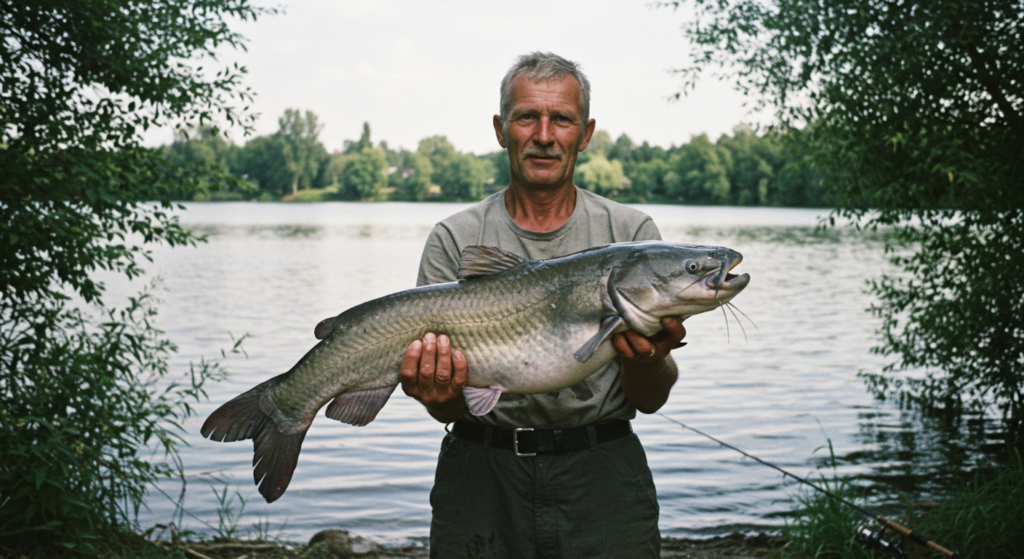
x: 980, y: 518
x: 314, y: 194
x: 984, y: 516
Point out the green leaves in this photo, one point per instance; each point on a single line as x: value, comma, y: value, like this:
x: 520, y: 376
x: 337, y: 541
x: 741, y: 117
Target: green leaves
x: 913, y: 112
x: 80, y: 381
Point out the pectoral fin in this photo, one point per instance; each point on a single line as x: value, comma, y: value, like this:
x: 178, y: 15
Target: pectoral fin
x: 481, y: 400
x: 359, y: 408
x: 608, y: 326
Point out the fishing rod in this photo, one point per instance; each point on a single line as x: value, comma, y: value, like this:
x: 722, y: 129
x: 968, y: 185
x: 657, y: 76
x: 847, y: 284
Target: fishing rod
x: 864, y: 534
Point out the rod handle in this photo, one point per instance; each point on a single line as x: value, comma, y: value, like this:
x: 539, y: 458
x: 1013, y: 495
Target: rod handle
x: 917, y: 538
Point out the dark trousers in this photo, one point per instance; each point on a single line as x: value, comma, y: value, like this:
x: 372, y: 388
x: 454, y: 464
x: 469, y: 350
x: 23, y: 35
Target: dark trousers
x: 490, y: 504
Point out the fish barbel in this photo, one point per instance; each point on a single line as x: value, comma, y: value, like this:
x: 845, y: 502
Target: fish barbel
x: 503, y: 313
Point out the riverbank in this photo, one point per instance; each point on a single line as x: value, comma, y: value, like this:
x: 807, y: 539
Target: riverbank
x: 338, y: 544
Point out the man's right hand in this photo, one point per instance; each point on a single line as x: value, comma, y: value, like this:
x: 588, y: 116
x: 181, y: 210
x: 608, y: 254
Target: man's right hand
x: 435, y: 375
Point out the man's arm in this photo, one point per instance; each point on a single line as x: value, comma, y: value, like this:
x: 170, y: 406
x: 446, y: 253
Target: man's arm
x: 648, y: 372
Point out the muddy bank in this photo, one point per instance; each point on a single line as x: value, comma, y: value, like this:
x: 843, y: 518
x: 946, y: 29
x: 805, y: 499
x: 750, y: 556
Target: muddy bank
x: 338, y: 544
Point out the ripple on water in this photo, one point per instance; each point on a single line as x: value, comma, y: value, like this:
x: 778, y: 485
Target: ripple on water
x: 780, y: 390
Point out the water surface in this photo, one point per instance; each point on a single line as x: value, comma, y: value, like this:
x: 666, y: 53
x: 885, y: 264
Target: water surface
x: 779, y: 390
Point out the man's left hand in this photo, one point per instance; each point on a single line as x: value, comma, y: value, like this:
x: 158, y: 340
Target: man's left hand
x: 634, y: 346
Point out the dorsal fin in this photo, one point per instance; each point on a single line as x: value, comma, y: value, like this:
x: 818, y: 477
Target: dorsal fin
x: 479, y: 261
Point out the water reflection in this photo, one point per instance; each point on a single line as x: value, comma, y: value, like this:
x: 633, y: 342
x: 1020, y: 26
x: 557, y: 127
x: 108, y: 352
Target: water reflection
x: 920, y: 453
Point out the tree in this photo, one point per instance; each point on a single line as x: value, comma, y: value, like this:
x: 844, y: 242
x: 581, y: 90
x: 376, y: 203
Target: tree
x: 648, y: 177
x: 702, y: 169
x: 754, y: 159
x: 915, y: 113
x: 364, y: 141
x: 600, y: 144
x: 622, y: 150
x: 262, y: 160
x: 303, y: 153
x: 365, y: 175
x: 460, y: 176
x: 417, y: 185
x: 205, y: 149
x: 78, y: 192
x: 502, y: 172
x: 600, y: 175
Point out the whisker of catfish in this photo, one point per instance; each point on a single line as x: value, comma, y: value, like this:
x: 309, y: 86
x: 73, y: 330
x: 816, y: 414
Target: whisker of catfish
x: 742, y: 329
x: 728, y: 337
x: 752, y: 323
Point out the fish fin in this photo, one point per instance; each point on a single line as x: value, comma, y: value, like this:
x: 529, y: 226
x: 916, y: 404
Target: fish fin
x: 274, y: 458
x: 241, y: 417
x: 608, y: 326
x: 478, y: 261
x: 359, y: 408
x: 481, y: 400
x: 275, y: 453
x: 325, y: 327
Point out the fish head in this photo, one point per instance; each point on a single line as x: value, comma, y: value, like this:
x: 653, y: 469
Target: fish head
x: 655, y: 279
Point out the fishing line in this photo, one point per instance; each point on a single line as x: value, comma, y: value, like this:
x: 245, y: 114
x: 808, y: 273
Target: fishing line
x: 871, y: 537
x: 178, y: 505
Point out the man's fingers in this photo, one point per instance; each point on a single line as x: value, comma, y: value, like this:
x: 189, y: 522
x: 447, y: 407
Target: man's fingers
x: 427, y: 362
x: 675, y: 329
x: 641, y: 345
x: 461, y: 371
x: 407, y: 373
x: 622, y: 346
x: 443, y: 374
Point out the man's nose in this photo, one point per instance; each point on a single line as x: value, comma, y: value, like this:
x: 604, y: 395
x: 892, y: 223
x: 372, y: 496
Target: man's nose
x: 545, y: 133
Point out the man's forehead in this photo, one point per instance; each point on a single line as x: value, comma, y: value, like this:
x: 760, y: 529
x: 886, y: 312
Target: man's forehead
x: 528, y: 91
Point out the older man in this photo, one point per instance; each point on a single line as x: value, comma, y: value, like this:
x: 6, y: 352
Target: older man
x: 579, y: 485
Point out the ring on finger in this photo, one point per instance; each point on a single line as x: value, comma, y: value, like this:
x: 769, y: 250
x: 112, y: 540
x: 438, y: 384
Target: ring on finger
x: 653, y: 351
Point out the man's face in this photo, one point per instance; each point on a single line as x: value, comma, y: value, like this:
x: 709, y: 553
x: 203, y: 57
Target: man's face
x: 545, y: 132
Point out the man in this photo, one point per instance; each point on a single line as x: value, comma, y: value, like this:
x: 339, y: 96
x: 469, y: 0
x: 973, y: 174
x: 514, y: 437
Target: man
x: 587, y: 491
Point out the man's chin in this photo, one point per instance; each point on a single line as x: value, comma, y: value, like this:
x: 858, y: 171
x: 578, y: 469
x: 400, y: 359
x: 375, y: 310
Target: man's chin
x: 544, y: 183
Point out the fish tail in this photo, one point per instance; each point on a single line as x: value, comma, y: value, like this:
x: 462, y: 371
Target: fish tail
x: 275, y: 453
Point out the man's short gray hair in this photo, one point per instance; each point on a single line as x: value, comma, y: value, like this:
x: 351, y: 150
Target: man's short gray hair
x: 539, y: 66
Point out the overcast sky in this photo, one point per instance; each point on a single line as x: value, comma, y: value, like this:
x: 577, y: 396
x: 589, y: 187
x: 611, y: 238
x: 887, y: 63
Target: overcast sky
x: 414, y: 69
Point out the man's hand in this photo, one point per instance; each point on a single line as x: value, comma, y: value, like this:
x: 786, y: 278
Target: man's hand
x: 435, y: 376
x: 634, y: 346
x: 647, y: 373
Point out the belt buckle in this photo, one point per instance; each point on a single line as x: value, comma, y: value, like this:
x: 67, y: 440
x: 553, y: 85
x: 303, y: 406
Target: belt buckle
x: 515, y: 442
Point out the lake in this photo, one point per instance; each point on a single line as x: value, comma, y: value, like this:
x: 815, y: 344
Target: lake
x: 780, y: 390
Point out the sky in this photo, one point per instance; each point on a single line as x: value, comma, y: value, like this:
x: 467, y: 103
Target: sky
x: 414, y: 69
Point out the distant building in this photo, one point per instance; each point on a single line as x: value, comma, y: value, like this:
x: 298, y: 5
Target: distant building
x: 405, y: 171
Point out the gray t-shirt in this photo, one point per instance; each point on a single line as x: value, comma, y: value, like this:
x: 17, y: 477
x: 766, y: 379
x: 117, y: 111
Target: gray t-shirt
x: 595, y: 221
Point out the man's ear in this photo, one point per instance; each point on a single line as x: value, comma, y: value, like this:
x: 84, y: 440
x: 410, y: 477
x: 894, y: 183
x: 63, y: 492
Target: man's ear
x: 499, y: 132
x: 588, y: 133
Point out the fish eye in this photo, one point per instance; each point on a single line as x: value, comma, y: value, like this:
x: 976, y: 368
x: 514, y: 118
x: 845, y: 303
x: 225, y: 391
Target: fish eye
x: 691, y: 266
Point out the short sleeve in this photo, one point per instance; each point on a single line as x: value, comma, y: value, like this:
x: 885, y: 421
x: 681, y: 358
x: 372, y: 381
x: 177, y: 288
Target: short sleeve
x: 441, y: 257
x: 647, y: 231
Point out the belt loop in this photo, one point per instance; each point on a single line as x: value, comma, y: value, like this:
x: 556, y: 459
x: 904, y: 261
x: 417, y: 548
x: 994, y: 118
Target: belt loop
x: 488, y: 435
x: 592, y: 435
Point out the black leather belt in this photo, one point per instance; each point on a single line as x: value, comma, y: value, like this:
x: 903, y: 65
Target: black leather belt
x: 529, y: 441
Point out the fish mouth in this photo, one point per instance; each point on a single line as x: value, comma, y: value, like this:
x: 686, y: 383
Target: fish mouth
x: 725, y: 281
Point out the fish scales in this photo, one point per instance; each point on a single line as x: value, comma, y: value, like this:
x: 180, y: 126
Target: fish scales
x: 380, y: 341
x: 524, y: 327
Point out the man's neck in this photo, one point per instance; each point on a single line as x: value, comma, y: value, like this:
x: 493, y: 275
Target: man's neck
x: 540, y: 211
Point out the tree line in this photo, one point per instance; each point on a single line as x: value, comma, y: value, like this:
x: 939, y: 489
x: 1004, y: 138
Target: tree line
x: 744, y: 168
